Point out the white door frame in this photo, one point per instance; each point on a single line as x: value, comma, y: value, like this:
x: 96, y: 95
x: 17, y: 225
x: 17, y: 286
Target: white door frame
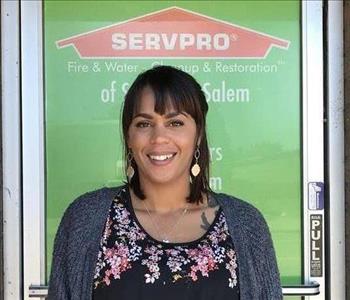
x: 11, y: 148
x: 24, y: 152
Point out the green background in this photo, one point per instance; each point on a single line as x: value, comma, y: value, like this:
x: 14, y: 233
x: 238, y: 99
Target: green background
x: 256, y: 144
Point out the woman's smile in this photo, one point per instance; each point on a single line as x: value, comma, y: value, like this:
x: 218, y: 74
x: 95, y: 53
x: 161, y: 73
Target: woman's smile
x: 161, y: 159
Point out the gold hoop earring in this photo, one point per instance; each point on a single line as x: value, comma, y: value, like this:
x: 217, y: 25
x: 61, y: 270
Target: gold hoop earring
x: 195, y: 170
x: 130, y: 170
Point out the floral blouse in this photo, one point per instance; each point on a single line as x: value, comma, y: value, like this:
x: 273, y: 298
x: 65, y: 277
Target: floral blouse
x: 132, y: 265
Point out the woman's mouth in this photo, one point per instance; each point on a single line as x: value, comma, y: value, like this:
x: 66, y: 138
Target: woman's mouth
x: 161, y: 159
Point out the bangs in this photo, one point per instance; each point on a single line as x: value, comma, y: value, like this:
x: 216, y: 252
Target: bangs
x: 169, y: 98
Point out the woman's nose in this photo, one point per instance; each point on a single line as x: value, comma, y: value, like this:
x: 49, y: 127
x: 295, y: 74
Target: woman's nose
x: 159, y: 135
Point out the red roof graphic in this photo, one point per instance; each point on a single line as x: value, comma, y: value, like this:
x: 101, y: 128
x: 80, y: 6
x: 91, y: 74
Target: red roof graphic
x: 173, y: 32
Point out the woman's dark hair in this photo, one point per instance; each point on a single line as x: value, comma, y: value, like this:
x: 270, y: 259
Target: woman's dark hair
x: 179, y: 90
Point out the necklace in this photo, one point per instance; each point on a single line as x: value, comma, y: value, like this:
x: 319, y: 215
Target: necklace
x: 165, y: 239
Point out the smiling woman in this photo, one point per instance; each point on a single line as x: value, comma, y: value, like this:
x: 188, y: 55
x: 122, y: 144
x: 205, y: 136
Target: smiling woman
x: 164, y: 234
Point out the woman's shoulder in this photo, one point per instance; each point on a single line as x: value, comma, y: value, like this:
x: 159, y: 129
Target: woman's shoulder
x: 236, y: 205
x: 241, y: 213
x: 90, y: 205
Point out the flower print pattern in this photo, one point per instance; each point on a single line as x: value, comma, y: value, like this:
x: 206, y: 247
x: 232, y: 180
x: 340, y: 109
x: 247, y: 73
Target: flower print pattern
x: 151, y: 262
x: 231, y: 265
x: 176, y: 260
x: 124, y: 243
x: 204, y: 260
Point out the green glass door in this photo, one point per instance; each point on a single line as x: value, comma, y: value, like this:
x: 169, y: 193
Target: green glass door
x: 251, y: 77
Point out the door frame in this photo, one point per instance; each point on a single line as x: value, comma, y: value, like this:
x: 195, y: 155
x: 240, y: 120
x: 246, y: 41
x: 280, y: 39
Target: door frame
x: 24, y: 151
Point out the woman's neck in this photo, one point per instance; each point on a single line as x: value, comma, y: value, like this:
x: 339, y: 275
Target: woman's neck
x: 165, y: 197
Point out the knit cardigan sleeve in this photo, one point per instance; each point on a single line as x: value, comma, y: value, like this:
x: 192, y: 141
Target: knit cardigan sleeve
x: 70, y: 246
x: 260, y: 278
x: 264, y: 257
x: 76, y: 245
x: 59, y: 277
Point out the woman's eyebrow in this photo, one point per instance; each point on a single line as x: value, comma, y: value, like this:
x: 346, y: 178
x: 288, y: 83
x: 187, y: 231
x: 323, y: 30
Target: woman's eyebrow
x: 143, y: 115
x: 167, y: 116
x: 174, y: 114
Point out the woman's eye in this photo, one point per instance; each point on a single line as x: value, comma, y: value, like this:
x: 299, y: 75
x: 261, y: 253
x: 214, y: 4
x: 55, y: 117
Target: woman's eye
x: 176, y: 123
x: 142, y: 124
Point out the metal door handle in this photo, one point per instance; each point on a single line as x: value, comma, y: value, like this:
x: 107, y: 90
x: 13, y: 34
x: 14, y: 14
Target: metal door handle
x: 39, y: 291
x: 311, y: 289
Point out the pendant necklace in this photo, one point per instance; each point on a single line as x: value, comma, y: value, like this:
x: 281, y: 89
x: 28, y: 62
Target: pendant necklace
x: 165, y: 239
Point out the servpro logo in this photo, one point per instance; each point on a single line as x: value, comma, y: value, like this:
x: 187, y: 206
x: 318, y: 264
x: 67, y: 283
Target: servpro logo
x: 173, y: 32
x: 170, y: 41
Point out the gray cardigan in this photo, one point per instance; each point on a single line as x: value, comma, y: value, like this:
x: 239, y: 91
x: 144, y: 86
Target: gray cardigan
x: 78, y: 238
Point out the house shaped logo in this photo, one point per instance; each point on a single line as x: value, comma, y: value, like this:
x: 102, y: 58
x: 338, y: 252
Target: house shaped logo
x: 173, y: 33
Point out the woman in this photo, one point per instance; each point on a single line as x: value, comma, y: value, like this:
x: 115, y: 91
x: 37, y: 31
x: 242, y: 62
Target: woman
x: 164, y: 234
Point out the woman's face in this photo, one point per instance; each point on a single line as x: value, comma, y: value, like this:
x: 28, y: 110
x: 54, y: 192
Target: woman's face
x: 162, y: 145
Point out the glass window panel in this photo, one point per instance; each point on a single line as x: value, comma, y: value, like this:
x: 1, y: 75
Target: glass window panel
x: 253, y: 122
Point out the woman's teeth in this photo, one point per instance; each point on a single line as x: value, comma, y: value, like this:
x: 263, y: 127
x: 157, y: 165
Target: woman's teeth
x: 161, y: 157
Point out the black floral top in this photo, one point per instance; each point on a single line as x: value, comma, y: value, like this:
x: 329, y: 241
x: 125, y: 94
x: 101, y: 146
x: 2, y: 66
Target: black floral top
x: 132, y: 265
